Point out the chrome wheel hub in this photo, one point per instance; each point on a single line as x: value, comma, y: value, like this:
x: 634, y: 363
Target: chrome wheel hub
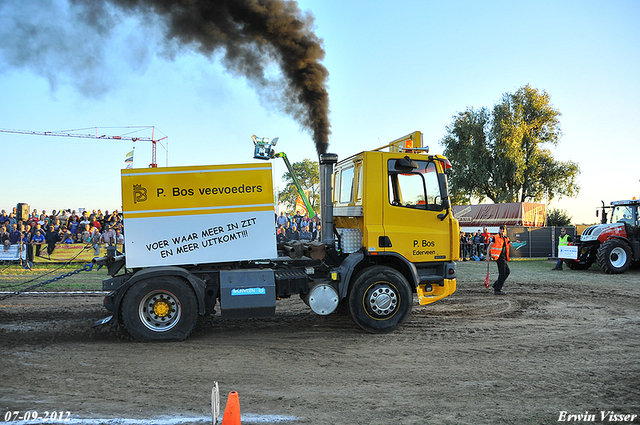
x: 160, y: 311
x: 383, y: 300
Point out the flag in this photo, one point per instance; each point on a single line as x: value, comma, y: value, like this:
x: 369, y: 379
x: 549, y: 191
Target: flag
x: 129, y: 160
x: 300, y: 205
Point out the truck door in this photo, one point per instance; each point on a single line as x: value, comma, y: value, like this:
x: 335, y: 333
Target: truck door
x: 412, y: 227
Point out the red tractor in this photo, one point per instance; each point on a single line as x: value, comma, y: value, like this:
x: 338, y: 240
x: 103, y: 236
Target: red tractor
x: 614, y: 245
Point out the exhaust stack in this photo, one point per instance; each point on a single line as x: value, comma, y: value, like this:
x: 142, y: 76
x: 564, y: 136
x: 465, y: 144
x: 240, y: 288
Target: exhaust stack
x: 327, y: 162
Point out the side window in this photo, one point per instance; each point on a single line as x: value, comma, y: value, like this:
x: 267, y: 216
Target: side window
x: 417, y: 189
x: 358, y: 197
x: 406, y: 190
x: 346, y: 185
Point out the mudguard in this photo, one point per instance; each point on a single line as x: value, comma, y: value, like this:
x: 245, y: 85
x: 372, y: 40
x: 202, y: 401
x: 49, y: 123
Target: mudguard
x: 120, y: 284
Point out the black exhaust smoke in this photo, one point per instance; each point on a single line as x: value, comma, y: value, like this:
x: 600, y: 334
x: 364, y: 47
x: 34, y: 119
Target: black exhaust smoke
x: 250, y: 35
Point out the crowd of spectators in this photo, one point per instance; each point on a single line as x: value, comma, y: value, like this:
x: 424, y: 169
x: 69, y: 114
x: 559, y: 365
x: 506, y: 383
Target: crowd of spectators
x: 298, y: 227
x: 40, y: 230
x: 473, y: 246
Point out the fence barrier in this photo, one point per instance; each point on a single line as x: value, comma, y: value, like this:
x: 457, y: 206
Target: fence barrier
x: 527, y: 242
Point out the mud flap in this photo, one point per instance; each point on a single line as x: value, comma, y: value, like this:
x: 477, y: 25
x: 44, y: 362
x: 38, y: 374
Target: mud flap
x: 102, y: 321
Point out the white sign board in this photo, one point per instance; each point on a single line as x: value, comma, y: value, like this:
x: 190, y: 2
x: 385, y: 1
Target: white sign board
x: 568, y: 252
x: 196, y: 215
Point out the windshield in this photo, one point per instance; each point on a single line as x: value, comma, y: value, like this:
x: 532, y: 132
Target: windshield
x: 625, y: 214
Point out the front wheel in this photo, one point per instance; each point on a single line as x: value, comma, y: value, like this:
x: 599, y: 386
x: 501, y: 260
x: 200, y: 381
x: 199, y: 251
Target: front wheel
x: 614, y: 256
x: 163, y: 308
x: 380, y: 299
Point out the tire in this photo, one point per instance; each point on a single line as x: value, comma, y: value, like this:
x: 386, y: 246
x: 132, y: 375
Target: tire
x: 614, y: 256
x: 160, y: 309
x: 380, y: 299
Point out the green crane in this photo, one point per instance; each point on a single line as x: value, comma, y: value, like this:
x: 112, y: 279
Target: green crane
x: 264, y: 149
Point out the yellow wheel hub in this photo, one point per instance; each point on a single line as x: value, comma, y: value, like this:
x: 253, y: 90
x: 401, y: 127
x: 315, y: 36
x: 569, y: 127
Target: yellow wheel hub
x: 161, y: 308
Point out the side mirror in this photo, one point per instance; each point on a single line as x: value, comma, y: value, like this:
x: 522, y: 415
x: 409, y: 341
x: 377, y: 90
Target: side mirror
x: 444, y: 187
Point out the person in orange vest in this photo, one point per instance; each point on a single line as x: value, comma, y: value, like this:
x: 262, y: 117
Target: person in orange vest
x: 499, y: 252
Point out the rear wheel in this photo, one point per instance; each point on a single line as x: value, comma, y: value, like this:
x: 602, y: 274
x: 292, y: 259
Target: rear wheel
x: 380, y: 299
x: 614, y: 256
x: 163, y: 308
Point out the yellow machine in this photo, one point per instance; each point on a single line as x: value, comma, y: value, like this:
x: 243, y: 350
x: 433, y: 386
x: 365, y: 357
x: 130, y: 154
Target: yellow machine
x: 198, y: 237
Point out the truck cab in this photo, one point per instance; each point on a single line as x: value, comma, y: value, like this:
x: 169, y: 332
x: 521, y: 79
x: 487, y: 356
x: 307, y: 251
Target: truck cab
x: 394, y: 207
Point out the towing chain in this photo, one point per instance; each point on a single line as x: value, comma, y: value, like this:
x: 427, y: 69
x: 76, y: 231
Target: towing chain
x: 86, y: 268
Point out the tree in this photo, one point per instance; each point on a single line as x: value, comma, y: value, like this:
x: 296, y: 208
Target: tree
x: 500, y: 154
x: 559, y: 218
x: 308, y: 175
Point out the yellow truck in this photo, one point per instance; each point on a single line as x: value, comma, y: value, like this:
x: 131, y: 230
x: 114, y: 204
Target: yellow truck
x: 201, y: 238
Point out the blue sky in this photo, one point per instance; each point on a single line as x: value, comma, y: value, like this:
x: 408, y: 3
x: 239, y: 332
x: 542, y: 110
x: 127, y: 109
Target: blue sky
x: 395, y: 67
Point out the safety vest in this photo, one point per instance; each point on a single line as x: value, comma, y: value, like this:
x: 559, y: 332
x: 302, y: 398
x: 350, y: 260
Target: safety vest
x: 496, y: 248
x: 563, y: 240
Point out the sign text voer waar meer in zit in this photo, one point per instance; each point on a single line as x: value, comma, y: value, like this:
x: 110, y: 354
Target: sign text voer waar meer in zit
x: 191, y: 215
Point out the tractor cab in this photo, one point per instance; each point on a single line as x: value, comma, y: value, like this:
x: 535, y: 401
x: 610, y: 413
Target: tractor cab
x: 625, y: 212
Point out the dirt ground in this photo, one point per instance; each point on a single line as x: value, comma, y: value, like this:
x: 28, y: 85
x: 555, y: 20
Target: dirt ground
x: 558, y: 342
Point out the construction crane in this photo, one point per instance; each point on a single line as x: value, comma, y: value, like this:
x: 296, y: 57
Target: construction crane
x: 70, y: 133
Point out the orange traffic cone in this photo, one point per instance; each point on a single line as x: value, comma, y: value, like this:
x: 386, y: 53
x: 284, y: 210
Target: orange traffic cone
x: 232, y: 410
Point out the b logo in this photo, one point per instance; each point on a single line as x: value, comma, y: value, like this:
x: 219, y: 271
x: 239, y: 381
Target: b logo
x: 139, y: 193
